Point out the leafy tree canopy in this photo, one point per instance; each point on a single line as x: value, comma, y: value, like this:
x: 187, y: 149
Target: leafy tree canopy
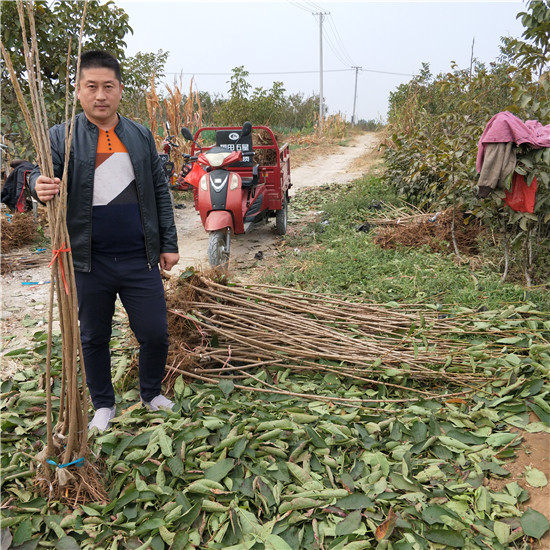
x: 138, y: 70
x: 105, y: 27
x: 57, y: 22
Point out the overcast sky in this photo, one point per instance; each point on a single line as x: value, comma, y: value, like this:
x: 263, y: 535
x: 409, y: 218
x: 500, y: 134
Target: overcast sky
x: 282, y: 37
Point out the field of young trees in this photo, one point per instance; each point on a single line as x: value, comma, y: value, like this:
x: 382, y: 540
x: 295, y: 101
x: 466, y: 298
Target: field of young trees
x: 435, y: 122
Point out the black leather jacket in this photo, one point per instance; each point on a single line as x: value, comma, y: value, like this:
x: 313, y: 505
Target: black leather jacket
x: 157, y: 215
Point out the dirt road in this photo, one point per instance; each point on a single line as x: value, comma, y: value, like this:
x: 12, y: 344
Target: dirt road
x: 339, y: 167
x: 24, y: 306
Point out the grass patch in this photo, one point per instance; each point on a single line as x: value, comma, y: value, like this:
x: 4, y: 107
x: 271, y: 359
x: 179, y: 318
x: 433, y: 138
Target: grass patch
x: 333, y: 256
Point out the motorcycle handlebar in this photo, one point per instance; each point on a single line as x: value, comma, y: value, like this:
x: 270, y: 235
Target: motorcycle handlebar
x: 168, y: 141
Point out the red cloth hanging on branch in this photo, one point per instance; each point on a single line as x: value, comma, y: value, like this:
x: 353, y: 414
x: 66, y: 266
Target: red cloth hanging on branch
x: 521, y: 197
x: 505, y: 127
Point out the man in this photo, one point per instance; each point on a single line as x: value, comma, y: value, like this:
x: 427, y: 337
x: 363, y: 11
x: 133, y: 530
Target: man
x: 121, y: 225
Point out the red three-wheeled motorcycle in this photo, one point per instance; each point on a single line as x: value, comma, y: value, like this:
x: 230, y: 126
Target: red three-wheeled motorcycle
x: 232, y: 190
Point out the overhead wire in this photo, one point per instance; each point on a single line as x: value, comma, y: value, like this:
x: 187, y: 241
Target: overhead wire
x: 334, y: 50
x: 261, y: 73
x: 338, y: 38
x: 334, y: 41
x: 313, y: 5
x: 292, y: 72
x: 298, y: 5
x: 384, y: 72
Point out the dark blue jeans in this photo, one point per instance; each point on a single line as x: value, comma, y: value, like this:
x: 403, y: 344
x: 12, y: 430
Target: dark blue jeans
x: 142, y: 295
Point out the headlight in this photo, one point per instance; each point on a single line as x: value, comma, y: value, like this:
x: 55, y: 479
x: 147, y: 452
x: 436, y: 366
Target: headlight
x: 234, y: 182
x: 204, y: 182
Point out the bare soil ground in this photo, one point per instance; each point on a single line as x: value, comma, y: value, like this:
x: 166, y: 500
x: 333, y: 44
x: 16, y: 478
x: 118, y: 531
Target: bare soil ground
x: 534, y: 451
x: 335, y: 164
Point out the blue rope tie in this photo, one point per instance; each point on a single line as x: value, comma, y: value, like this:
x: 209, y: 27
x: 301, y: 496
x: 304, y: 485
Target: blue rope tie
x: 77, y: 462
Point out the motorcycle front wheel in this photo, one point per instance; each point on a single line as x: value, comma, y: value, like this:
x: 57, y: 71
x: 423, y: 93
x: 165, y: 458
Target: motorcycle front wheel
x: 218, y: 247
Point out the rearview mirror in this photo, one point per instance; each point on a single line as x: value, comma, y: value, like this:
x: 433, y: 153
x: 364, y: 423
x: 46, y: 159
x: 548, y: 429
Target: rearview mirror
x: 247, y: 129
x: 187, y: 134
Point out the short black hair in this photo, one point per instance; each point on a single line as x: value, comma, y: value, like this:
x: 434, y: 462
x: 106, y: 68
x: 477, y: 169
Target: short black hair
x: 99, y: 59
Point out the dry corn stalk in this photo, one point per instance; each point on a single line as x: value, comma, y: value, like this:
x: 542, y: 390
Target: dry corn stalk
x: 153, y: 107
x: 67, y: 443
x: 173, y: 110
x: 334, y: 126
x: 193, y: 108
x: 172, y: 105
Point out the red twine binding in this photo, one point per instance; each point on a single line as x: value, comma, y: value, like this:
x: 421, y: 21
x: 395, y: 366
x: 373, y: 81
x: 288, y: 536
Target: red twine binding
x: 56, y: 254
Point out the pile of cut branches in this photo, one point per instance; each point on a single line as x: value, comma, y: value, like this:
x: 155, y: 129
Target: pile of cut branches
x: 439, y: 232
x: 266, y: 157
x: 18, y: 229
x: 16, y: 262
x: 231, y: 330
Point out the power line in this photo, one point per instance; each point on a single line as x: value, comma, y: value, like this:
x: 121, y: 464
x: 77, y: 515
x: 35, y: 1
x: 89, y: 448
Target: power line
x: 262, y: 73
x: 297, y: 5
x: 337, y: 42
x: 315, y: 6
x: 333, y: 48
x: 334, y: 29
x: 385, y: 72
x: 292, y: 72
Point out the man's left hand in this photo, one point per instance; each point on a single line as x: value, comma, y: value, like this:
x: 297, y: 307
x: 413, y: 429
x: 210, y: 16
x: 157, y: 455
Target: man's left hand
x: 168, y: 260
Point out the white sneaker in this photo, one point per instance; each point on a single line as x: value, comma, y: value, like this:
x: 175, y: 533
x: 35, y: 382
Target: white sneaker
x: 159, y: 402
x: 102, y: 418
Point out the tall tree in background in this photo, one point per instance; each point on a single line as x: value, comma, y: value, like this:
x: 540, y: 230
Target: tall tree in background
x: 137, y: 72
x: 534, y: 51
x: 260, y: 105
x: 56, y: 23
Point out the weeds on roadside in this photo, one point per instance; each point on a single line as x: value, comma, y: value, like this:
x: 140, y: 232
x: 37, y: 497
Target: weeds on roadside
x: 331, y: 255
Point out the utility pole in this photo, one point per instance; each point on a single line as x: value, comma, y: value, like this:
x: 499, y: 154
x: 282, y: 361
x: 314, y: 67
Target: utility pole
x: 471, y: 61
x: 321, y: 104
x: 353, y: 121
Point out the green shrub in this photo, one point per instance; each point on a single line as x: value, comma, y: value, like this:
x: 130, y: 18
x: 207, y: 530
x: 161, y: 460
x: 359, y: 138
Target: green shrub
x: 436, y: 122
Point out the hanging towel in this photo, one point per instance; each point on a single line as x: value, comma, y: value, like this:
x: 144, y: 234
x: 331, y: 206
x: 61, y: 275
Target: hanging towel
x: 505, y: 127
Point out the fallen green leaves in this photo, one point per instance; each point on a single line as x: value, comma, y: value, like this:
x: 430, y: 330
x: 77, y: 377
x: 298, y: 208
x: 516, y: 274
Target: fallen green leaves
x: 535, y: 478
x: 534, y: 524
x: 231, y: 469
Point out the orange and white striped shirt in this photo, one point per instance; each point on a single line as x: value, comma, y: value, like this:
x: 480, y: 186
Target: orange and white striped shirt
x: 116, y: 217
